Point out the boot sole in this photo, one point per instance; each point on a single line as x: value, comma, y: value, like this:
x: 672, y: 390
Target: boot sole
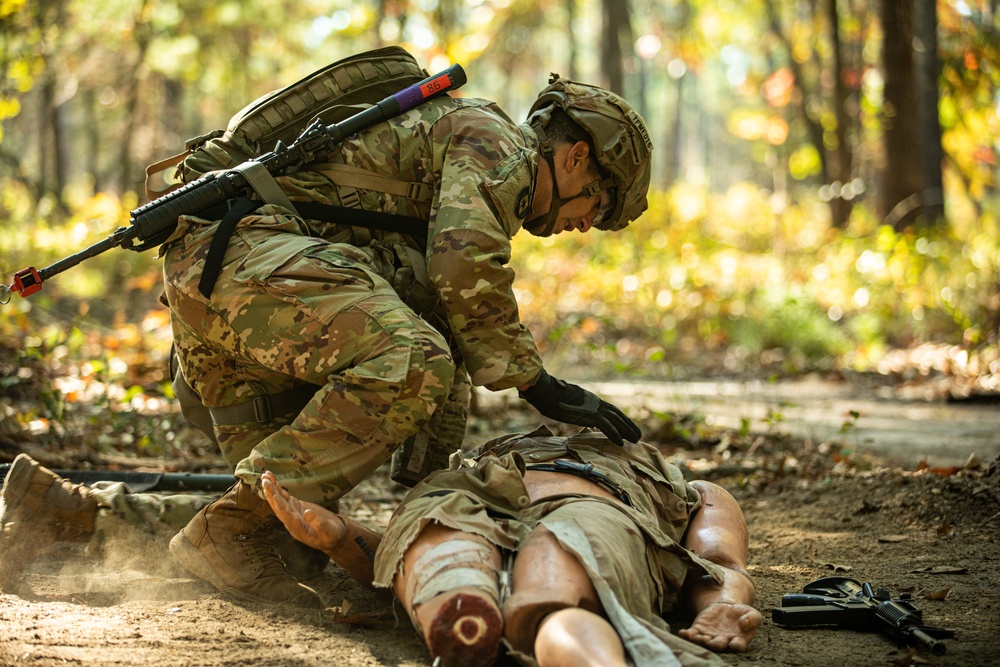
x: 18, y: 490
x: 191, y: 559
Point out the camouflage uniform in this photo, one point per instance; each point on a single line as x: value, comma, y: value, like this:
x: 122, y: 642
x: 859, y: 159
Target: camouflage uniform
x: 631, y: 553
x: 386, y: 325
x: 129, y: 517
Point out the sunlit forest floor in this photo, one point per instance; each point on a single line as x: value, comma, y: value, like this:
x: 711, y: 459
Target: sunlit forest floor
x: 815, y: 508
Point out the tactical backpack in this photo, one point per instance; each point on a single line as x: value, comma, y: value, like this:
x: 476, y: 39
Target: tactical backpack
x: 330, y: 94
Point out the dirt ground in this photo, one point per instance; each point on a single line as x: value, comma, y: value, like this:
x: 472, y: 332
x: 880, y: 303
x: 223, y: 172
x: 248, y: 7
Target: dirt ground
x: 813, y: 511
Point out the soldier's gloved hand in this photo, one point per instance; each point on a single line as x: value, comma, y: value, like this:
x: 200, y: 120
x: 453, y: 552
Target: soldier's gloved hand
x: 571, y: 404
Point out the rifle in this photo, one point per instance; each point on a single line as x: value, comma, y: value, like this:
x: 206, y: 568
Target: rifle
x: 846, y: 603
x: 152, y: 223
x: 140, y: 482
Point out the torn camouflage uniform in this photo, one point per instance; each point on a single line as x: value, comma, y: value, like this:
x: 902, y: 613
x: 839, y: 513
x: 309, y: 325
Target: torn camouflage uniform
x: 390, y: 329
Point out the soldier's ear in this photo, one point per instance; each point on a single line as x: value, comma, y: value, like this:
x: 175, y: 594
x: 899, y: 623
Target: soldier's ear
x: 578, y: 157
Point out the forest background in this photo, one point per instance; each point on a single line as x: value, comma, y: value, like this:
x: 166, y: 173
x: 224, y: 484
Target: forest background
x: 824, y: 195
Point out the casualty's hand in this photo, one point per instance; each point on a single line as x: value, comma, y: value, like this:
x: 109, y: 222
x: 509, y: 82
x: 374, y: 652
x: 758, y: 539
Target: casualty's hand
x: 724, y: 626
x: 307, y: 522
x: 571, y: 404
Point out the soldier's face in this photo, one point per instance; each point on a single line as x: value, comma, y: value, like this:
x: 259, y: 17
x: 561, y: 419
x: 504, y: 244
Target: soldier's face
x: 573, y: 173
x: 577, y: 215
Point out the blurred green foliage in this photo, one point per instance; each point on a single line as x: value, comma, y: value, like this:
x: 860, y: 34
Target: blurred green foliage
x: 702, y: 275
x: 734, y: 269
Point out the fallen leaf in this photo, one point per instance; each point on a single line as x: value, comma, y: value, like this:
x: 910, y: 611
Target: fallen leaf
x: 945, y: 529
x: 910, y: 657
x: 941, y: 569
x: 938, y: 595
x: 836, y: 567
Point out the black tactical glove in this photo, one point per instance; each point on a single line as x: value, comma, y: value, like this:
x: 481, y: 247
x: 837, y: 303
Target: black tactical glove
x: 571, y: 404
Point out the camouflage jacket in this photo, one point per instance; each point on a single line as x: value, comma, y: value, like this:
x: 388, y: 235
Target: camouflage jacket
x: 478, y: 170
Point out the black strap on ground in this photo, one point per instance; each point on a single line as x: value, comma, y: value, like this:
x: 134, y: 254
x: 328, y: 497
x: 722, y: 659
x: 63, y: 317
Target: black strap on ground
x: 217, y: 251
x: 587, y: 472
x: 141, y: 482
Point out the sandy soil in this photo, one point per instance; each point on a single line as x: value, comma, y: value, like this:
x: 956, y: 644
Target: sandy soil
x: 812, y: 513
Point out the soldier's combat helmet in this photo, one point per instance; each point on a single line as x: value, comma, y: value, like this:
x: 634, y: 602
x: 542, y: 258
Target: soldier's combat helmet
x: 621, y: 144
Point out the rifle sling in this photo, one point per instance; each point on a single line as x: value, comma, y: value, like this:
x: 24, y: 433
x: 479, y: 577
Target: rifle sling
x: 220, y: 241
x: 354, y: 217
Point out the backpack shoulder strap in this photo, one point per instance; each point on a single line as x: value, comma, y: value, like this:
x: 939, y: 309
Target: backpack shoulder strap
x: 349, y: 176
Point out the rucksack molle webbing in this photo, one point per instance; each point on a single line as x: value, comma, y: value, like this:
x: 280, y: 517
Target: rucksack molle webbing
x: 331, y: 94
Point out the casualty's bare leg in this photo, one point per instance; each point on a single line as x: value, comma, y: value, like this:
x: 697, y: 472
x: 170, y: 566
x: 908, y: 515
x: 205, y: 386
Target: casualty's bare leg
x: 578, y: 638
x: 554, y: 610
x: 348, y: 544
x: 724, y: 618
x: 449, y: 586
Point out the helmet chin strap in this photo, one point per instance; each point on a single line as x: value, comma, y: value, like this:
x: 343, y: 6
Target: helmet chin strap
x: 547, y: 222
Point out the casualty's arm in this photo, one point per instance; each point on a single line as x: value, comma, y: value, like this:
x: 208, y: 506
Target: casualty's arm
x: 348, y: 543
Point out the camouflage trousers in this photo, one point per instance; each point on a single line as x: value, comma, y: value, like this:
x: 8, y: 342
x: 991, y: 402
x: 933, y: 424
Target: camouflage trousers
x: 132, y: 523
x: 288, y: 310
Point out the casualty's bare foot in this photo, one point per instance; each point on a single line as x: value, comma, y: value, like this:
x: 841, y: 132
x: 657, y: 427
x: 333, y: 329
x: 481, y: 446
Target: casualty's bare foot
x: 349, y: 544
x: 724, y: 626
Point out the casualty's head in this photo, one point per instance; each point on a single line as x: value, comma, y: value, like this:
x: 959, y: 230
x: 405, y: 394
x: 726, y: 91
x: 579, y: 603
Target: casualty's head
x: 567, y: 112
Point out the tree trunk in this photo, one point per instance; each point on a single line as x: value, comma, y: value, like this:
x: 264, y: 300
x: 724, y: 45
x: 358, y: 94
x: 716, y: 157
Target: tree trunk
x: 571, y: 39
x: 617, y: 30
x: 899, y: 197
x: 142, y: 38
x: 92, y: 141
x: 927, y: 69
x: 813, y: 128
x: 674, y: 134
x: 47, y: 95
x: 841, y: 162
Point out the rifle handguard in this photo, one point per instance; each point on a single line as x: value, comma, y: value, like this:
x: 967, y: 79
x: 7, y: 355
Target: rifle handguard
x: 154, y: 222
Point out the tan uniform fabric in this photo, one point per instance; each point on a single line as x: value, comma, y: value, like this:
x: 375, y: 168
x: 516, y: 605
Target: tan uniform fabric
x: 632, y: 554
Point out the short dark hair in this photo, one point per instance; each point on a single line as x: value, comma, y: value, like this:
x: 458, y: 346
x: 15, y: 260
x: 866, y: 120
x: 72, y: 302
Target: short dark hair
x: 563, y: 129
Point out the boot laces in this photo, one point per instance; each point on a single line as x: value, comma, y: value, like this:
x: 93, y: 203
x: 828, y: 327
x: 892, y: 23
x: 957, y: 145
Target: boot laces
x: 259, y: 553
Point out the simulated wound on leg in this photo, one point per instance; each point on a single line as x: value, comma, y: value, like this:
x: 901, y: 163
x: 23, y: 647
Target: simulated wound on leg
x: 465, y: 629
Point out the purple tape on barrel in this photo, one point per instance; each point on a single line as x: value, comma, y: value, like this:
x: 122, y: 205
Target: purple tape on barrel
x: 409, y: 98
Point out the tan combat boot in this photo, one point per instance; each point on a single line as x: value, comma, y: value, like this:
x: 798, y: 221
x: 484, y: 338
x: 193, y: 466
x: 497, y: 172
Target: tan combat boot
x: 301, y: 561
x: 37, y: 509
x: 227, y: 544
